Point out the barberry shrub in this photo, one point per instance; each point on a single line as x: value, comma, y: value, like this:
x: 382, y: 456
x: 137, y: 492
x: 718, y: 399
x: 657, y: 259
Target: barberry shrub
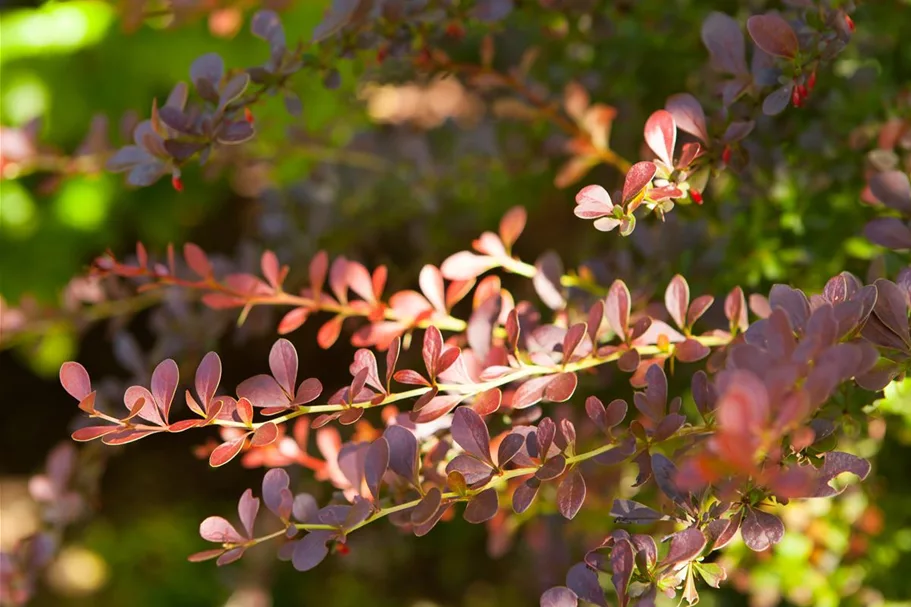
x: 739, y: 400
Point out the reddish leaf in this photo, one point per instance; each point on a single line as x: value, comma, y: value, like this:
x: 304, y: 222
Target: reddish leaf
x: 561, y: 388
x: 220, y: 301
x: 329, y: 332
x: 531, y: 392
x: 262, y: 391
x: 638, y: 177
x: 677, y: 300
x: 293, y: 320
x: 308, y: 391
x: 437, y: 407
x: 410, y: 377
x: 487, y: 402
x: 465, y: 265
x: 572, y: 339
x: 773, y: 34
x: 617, y: 308
x: 483, y: 507
x: 571, y: 494
x: 431, y: 282
x: 837, y: 463
x: 75, y: 380
x: 205, y: 555
x: 230, y: 556
x: 225, y: 452
x: 264, y: 435
x: 360, y: 281
x: 208, y: 376
x: 276, y: 494
x: 319, y: 267
x: 699, y: 307
x: 735, y: 309
x: 661, y: 135
x: 431, y: 350
x: 271, y: 268
x: 512, y: 225
x: 546, y: 280
x: 473, y: 470
x: 164, y: 386
x: 92, y: 432
x: 593, y: 201
x: 197, y: 260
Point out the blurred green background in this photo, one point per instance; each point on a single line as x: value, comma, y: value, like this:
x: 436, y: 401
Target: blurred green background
x: 794, y: 217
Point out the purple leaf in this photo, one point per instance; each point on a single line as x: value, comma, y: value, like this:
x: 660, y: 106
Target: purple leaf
x: 544, y: 436
x: 837, y: 463
x: 559, y: 596
x: 403, y: 451
x: 308, y: 391
x: 688, y: 114
x: 283, y: 364
x: 524, y: 495
x: 773, y: 34
x: 691, y: 350
x: 546, y: 280
x: 571, y: 494
x: 686, y: 545
x: 893, y: 189
x: 622, y: 562
x: 552, y: 468
x: 473, y: 470
x: 761, y: 529
x: 665, y: 472
x: 304, y: 507
x: 247, y: 508
x: 628, y: 511
x: 208, y: 67
x: 483, y: 507
x: 218, y: 530
x: 889, y: 232
x: 427, y: 508
x: 509, y: 447
x: 776, y: 101
x: 891, y: 309
x: 723, y: 38
x: 375, y: 464
x: 225, y: 452
x: 470, y: 432
x: 311, y: 550
x: 276, y: 495
x: 436, y: 408
x: 583, y: 580
x: 561, y: 388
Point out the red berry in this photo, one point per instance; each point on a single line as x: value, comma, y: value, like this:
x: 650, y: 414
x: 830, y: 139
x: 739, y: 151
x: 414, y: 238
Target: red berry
x: 849, y: 22
x: 455, y: 30
x: 802, y: 91
x: 796, y: 99
x: 811, y: 81
x: 176, y: 183
x: 248, y: 115
x: 696, y: 196
x: 342, y: 549
x: 726, y: 155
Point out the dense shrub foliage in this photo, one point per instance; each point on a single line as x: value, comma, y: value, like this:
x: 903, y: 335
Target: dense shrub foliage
x: 731, y: 362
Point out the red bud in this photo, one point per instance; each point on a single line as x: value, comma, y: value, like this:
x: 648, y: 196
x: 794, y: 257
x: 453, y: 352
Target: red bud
x: 802, y: 91
x: 811, y: 81
x: 726, y: 155
x: 849, y: 22
x: 176, y: 183
x: 248, y: 115
x: 796, y: 99
x: 342, y: 549
x: 696, y: 196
